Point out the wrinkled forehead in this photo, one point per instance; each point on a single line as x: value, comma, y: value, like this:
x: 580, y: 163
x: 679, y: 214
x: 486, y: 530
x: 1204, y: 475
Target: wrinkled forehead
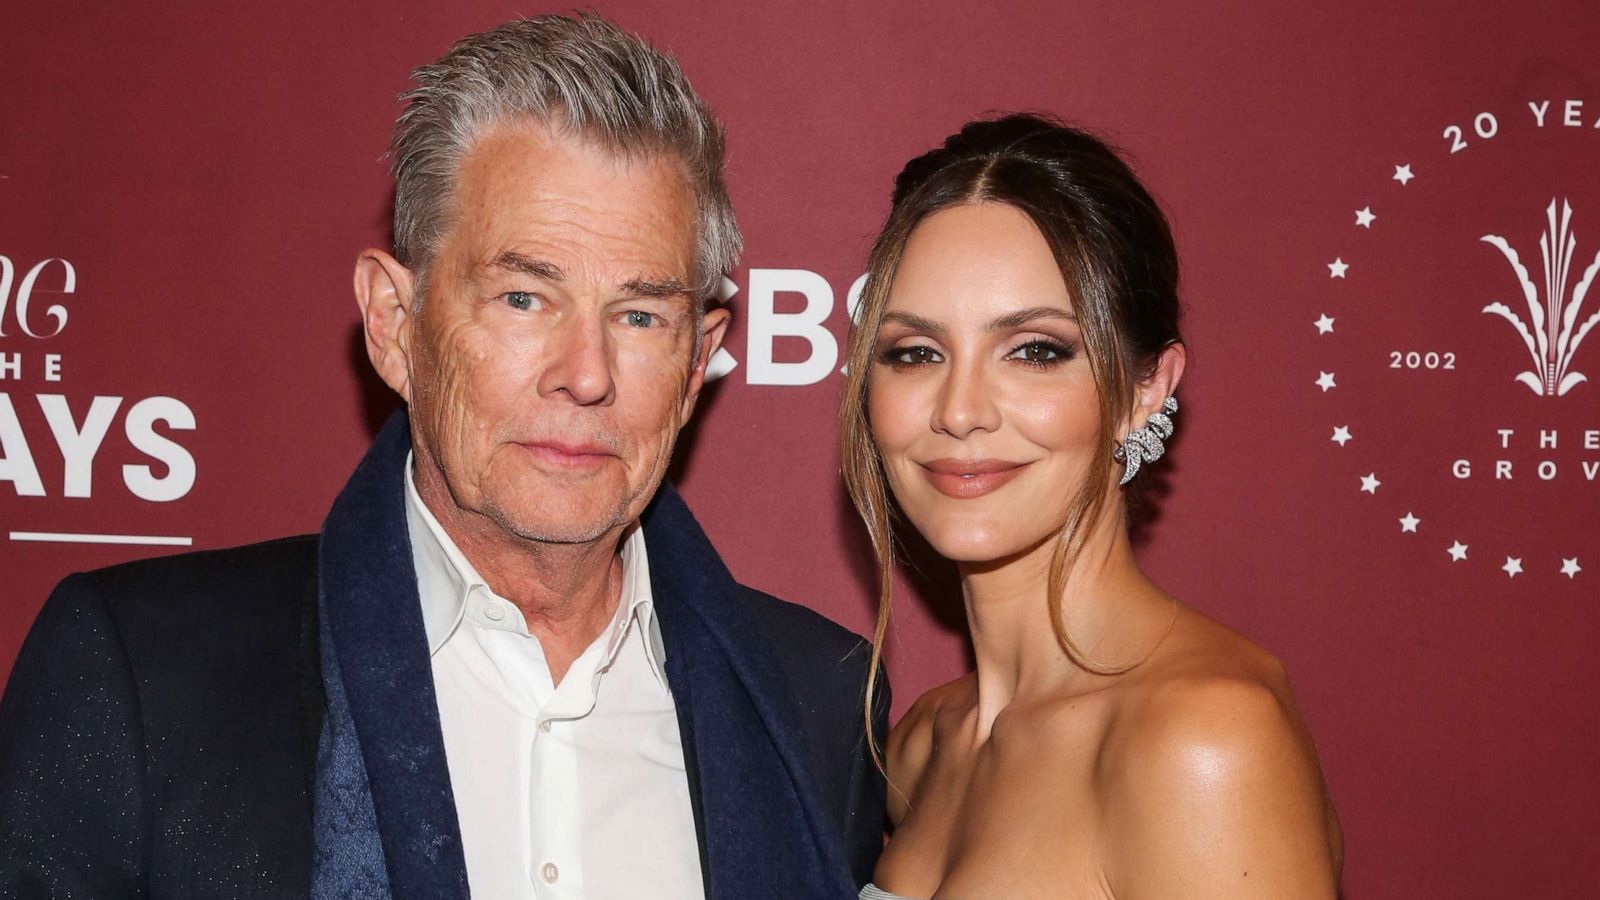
x: 533, y: 190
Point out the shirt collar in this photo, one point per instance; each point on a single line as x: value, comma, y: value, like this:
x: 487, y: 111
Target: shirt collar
x: 446, y: 581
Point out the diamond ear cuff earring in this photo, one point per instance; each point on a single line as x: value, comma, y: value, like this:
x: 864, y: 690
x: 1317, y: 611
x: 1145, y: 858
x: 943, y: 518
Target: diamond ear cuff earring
x: 1146, y: 444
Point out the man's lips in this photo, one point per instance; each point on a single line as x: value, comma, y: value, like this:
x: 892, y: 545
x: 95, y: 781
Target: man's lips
x: 568, y: 454
x: 968, y: 478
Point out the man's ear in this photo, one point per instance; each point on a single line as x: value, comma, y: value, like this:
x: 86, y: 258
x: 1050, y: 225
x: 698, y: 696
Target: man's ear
x: 1162, y: 383
x: 713, y: 328
x: 383, y: 291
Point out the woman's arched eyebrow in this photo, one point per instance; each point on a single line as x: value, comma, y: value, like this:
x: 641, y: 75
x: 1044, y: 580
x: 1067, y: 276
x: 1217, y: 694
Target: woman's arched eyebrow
x: 1023, y: 316
x: 1008, y: 321
x: 915, y: 323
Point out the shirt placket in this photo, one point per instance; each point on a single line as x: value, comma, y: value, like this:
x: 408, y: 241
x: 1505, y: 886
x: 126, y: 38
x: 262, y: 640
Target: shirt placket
x: 556, y: 851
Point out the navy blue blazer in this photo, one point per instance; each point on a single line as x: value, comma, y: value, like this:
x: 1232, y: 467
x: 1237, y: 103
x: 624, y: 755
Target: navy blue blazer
x: 158, y: 735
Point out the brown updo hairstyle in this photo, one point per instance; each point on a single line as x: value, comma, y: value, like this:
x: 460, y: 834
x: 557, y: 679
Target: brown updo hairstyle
x: 1116, y: 255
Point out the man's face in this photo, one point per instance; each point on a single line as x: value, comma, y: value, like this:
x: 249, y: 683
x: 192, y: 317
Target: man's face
x: 552, y: 359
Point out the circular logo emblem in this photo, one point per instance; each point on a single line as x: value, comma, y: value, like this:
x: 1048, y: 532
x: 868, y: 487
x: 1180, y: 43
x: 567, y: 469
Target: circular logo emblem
x: 1456, y: 343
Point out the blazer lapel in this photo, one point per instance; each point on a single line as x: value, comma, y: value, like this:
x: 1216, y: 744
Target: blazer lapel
x: 374, y: 620
x: 762, y: 832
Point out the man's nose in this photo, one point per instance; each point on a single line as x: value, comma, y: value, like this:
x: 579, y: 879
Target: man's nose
x: 578, y: 362
x: 965, y: 402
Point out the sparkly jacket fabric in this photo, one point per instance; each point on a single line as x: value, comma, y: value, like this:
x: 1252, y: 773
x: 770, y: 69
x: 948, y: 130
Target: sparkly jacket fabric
x: 160, y: 731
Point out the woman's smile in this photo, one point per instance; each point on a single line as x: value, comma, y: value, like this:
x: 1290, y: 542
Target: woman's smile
x: 965, y: 479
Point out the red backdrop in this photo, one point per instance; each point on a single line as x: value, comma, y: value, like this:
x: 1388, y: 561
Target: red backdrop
x: 184, y: 187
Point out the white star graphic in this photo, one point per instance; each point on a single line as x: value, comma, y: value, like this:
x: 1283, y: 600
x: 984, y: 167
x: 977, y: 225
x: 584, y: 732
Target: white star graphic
x: 1341, y: 434
x: 1324, y: 324
x: 1370, y: 482
x: 1513, y: 566
x: 1409, y: 523
x: 1364, y: 218
x: 1403, y: 174
x: 1325, y: 381
x: 1457, y: 551
x: 1336, y: 269
x: 1570, y: 567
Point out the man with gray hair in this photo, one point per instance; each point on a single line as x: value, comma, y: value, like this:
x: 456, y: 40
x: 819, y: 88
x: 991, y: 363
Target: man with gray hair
x: 510, y: 663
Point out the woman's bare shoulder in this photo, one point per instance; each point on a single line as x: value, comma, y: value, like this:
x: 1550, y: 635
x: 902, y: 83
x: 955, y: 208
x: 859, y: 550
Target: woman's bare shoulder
x: 910, y: 741
x: 1209, y: 684
x: 1210, y: 777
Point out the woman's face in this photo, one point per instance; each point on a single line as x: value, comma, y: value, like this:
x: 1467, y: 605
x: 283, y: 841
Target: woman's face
x: 981, y: 401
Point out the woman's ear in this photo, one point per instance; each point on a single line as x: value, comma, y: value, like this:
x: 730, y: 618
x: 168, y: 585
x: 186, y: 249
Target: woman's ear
x: 1161, y: 384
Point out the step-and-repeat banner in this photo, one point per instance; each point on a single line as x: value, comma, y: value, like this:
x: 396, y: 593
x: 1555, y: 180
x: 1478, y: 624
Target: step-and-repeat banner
x: 1388, y: 466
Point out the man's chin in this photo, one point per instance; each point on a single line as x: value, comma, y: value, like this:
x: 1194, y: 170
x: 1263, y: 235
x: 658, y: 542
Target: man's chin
x: 558, y: 523
x: 569, y: 508
x: 562, y: 533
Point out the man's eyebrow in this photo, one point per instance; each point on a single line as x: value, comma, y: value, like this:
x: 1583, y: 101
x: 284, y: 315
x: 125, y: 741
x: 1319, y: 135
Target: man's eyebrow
x: 527, y: 265
x: 1024, y: 316
x: 665, y: 288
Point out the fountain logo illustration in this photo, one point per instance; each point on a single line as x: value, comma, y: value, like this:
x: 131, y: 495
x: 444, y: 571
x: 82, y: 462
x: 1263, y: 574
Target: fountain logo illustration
x: 1549, y: 333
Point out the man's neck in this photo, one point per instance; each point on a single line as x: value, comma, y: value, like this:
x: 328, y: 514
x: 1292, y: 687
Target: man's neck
x: 567, y: 592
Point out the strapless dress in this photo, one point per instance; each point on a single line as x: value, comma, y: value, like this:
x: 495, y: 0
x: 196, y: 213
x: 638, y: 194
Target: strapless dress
x: 873, y: 892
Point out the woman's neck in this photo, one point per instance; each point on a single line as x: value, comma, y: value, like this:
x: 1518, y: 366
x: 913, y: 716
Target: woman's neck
x: 1109, y: 608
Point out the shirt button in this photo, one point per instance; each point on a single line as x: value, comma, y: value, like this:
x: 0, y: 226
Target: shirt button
x: 549, y: 873
x: 544, y: 726
x: 494, y: 612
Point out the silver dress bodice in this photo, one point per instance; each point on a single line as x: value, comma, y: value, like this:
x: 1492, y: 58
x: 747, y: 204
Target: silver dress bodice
x: 873, y: 892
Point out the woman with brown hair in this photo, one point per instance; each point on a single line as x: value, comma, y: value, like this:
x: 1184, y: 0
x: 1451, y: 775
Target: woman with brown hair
x: 1012, y: 370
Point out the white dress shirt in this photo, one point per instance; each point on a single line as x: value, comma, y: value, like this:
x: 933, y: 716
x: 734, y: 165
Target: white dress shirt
x: 565, y: 791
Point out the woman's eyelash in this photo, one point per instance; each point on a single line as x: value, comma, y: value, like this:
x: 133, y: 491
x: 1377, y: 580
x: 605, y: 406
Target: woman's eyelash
x: 1042, y: 353
x: 1039, y: 353
x: 905, y: 357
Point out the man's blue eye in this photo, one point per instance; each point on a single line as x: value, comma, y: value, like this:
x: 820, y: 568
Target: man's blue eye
x: 639, y: 319
x: 523, y: 300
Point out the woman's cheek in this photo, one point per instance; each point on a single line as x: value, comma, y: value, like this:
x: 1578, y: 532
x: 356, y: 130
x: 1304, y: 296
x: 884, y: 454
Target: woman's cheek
x: 1063, y: 416
x: 892, y: 411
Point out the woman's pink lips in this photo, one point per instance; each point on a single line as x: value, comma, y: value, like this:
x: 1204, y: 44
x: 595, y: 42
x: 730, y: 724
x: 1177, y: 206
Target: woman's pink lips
x: 965, y: 479
x: 570, y: 456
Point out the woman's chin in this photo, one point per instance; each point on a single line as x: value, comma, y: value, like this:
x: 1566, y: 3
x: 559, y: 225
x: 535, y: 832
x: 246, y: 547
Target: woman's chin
x: 975, y: 547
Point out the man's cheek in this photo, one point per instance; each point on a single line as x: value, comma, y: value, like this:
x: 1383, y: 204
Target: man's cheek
x: 460, y: 403
x: 656, y: 379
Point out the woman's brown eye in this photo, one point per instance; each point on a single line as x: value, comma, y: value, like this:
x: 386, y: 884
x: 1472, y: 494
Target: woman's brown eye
x: 1041, y: 353
x: 908, y: 356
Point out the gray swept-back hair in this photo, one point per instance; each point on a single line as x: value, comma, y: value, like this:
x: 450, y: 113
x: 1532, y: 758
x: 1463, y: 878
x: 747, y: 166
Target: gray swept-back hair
x: 579, y: 74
